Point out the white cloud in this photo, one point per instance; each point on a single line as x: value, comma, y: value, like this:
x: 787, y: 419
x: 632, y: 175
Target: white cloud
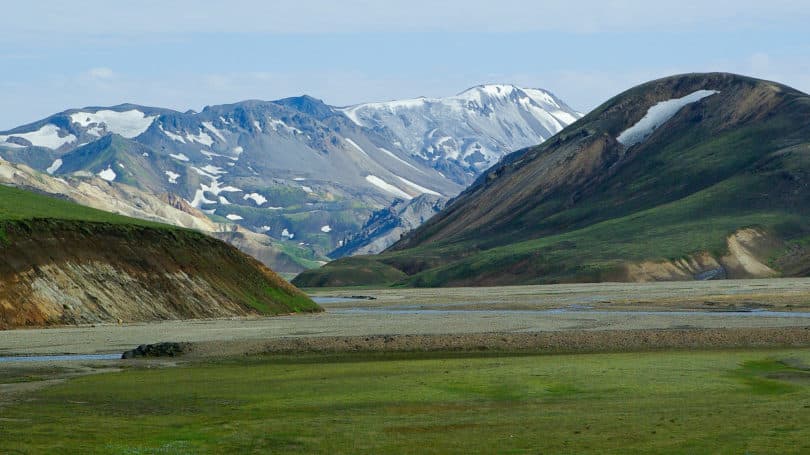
x: 100, y: 73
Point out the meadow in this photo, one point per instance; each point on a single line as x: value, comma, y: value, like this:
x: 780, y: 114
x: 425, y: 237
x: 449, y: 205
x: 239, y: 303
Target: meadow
x: 731, y: 401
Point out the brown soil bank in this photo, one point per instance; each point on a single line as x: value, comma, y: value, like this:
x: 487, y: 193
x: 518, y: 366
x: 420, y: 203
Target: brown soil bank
x: 65, y: 272
x: 545, y: 342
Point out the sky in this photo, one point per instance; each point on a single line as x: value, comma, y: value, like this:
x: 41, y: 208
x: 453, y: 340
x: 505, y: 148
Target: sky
x: 182, y: 54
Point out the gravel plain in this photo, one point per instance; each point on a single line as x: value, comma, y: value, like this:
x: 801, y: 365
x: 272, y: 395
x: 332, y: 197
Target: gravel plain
x: 776, y: 304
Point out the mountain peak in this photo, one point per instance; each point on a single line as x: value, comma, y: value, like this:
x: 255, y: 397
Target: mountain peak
x: 497, y: 90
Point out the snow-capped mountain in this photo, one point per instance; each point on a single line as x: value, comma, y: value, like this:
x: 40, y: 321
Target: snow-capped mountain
x: 465, y: 134
x: 296, y: 169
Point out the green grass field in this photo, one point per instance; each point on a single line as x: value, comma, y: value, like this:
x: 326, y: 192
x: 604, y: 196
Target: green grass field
x: 18, y: 205
x: 754, y: 401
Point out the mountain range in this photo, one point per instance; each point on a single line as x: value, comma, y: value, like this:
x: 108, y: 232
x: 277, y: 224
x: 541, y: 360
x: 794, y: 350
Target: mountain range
x: 695, y: 176
x: 305, y: 174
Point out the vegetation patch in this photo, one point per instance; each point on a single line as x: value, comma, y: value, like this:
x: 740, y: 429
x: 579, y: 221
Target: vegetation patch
x: 658, y: 402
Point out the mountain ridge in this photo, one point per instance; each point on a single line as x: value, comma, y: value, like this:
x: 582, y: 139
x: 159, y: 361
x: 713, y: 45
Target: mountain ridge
x: 582, y: 206
x: 295, y: 169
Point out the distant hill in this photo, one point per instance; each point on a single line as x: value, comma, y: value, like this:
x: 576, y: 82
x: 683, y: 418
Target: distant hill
x: 62, y: 263
x: 695, y: 176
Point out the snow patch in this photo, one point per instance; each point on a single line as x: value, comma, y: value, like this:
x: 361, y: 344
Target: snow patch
x: 202, y: 138
x: 658, y: 115
x: 172, y: 176
x: 47, y: 136
x: 179, y: 156
x: 107, y: 174
x: 199, y: 199
x: 392, y: 155
x: 307, y: 189
x: 354, y: 144
x: 287, y: 234
x: 224, y: 201
x: 278, y: 124
x: 172, y: 136
x: 57, y: 163
x: 385, y: 186
x: 211, y: 155
x: 213, y: 170
x: 256, y: 197
x: 210, y: 127
x: 326, y: 229
x: 233, y: 217
x: 128, y: 124
x: 419, y: 188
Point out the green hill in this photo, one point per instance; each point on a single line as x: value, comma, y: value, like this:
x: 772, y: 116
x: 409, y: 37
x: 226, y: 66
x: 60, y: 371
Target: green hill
x: 717, y: 190
x: 64, y: 263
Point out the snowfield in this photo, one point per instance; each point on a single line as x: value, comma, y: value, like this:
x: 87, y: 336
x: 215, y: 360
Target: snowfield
x: 47, y: 136
x: 387, y: 187
x: 128, y: 124
x: 476, y: 127
x: 657, y: 116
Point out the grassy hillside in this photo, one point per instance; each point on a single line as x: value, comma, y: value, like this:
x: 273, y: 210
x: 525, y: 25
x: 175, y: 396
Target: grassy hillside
x: 582, y: 206
x: 17, y: 204
x: 130, y: 269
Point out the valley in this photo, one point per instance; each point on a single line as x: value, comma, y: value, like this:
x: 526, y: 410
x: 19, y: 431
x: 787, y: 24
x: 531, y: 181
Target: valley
x: 364, y: 228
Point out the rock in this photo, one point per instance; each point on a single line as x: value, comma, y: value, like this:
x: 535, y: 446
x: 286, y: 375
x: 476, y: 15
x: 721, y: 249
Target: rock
x: 166, y: 349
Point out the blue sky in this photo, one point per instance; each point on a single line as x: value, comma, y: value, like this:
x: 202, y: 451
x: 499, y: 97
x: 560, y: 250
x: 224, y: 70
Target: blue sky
x: 187, y: 54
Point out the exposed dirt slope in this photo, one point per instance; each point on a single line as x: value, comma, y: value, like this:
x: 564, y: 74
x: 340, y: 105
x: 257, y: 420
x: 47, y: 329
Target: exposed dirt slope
x: 62, y: 272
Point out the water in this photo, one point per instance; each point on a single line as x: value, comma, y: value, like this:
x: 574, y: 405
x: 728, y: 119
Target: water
x: 577, y: 311
x: 328, y: 300
x: 60, y: 358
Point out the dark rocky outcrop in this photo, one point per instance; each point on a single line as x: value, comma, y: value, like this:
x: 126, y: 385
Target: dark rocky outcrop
x: 165, y: 349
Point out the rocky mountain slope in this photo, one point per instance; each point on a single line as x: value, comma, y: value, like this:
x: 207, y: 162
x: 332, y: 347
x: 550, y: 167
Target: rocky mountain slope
x: 690, y: 177
x: 61, y: 263
x: 386, y: 226
x: 465, y: 134
x: 305, y: 173
x: 123, y: 199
